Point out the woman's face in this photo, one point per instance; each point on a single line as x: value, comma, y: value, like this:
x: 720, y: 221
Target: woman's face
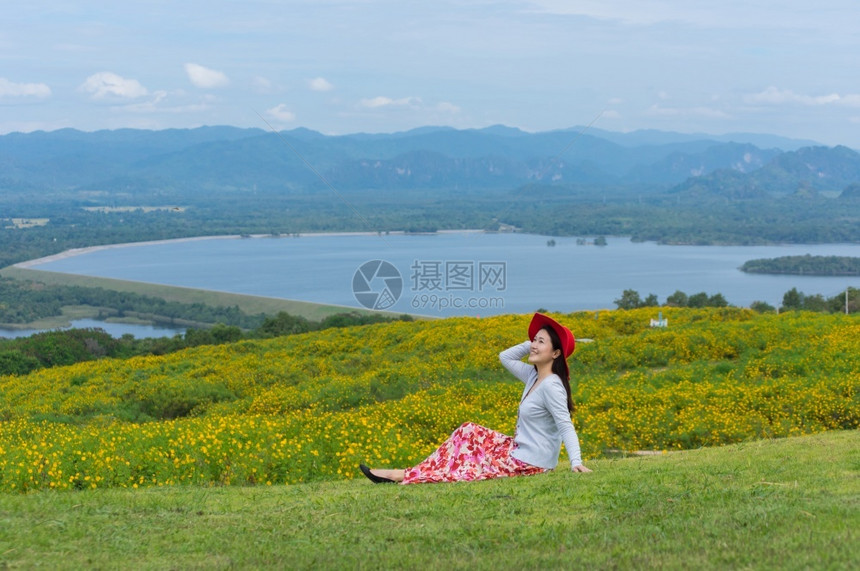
x: 541, y: 351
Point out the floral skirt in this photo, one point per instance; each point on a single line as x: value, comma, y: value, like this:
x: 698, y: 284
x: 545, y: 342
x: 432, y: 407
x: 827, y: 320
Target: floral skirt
x: 472, y: 452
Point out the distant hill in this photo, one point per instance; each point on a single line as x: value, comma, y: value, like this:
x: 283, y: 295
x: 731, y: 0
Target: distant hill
x: 227, y: 160
x: 801, y: 173
x: 819, y: 168
x: 725, y: 183
x: 736, y: 157
x: 644, y: 137
x: 852, y: 191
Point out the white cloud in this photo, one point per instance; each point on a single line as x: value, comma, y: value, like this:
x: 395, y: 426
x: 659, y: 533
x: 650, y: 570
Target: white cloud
x: 281, y: 113
x: 163, y: 102
x: 442, y: 110
x: 157, y: 97
x: 774, y: 96
x: 11, y: 89
x: 204, y: 77
x: 106, y: 84
x: 320, y: 84
x: 382, y: 101
x: 447, y: 107
x: 262, y: 84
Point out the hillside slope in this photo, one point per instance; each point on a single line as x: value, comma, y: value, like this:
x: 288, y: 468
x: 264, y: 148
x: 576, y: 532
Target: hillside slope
x: 311, y: 407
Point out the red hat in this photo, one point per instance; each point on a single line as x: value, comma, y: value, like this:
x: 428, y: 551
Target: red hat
x: 568, y: 343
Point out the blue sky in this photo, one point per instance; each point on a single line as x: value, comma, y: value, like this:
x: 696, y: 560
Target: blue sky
x: 784, y: 67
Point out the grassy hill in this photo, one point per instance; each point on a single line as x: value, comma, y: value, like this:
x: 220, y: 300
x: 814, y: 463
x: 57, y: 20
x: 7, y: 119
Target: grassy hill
x: 180, y: 461
x: 310, y: 407
x: 770, y: 504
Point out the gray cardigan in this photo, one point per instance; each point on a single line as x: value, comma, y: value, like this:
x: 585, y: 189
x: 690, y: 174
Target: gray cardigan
x: 543, y: 420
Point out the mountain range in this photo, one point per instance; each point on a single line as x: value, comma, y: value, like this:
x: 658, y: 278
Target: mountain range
x: 179, y: 162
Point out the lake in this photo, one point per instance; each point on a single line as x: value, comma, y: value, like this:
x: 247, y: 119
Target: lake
x: 113, y: 329
x: 452, y: 273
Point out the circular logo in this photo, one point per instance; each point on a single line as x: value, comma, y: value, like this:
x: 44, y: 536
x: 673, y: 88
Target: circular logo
x: 377, y: 284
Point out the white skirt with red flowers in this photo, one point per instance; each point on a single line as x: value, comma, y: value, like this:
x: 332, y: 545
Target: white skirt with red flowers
x: 472, y: 452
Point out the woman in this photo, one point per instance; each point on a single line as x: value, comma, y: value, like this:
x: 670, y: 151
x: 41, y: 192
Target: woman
x: 474, y: 452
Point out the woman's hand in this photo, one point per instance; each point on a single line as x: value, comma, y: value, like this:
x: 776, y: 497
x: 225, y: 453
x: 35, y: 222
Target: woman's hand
x: 580, y: 468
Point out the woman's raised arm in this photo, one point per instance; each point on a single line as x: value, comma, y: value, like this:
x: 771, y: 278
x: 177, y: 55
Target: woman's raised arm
x: 511, y: 358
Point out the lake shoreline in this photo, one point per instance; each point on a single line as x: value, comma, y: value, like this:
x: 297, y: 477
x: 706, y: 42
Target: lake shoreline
x: 28, y: 264
x: 321, y: 269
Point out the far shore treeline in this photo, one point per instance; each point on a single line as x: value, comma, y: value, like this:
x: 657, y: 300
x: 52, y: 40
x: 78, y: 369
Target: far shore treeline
x: 807, y: 265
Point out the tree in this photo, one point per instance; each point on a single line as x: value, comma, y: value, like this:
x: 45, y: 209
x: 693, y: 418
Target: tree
x: 283, y: 324
x: 651, y: 301
x: 629, y: 300
x: 717, y: 300
x: 698, y: 300
x: 837, y: 303
x: 195, y: 337
x: 792, y: 300
x: 16, y: 363
x: 762, y: 307
x: 225, y: 333
x: 815, y: 303
x: 677, y: 299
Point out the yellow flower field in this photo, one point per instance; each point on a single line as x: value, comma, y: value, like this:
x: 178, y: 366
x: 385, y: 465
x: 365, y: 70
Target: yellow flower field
x: 311, y: 407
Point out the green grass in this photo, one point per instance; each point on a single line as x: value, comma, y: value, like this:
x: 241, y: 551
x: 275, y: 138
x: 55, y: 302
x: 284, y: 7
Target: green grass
x: 249, y: 304
x: 774, y: 504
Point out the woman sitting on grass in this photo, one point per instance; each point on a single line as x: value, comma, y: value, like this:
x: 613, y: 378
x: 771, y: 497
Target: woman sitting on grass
x: 474, y: 452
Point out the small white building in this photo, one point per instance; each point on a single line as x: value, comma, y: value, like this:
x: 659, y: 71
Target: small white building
x: 660, y: 321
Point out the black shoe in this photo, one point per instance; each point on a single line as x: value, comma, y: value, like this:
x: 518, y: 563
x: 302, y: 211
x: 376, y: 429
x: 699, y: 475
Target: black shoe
x: 374, y: 478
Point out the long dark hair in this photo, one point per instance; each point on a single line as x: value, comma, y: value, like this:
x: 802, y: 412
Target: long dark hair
x: 559, y: 364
